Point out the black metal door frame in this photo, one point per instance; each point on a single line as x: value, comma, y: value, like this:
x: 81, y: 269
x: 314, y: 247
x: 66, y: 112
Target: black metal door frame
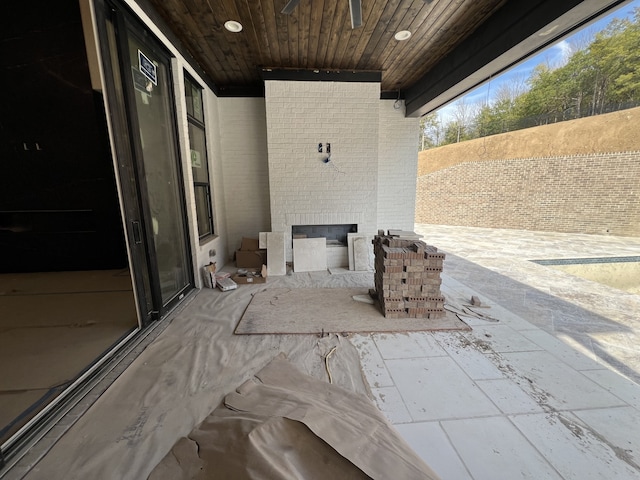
x: 129, y: 155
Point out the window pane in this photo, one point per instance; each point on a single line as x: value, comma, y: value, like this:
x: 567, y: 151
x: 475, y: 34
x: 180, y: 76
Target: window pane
x: 188, y: 93
x: 198, y: 112
x: 198, y: 154
x: 193, y: 95
x: 203, y: 210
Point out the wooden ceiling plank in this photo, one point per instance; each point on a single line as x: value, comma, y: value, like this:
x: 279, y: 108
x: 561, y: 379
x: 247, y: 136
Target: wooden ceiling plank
x: 393, y: 12
x: 450, y: 34
x: 248, y: 19
x: 270, y: 10
x: 436, y: 22
x: 424, y: 27
x: 284, y: 40
x: 189, y: 32
x: 379, y: 12
x: 292, y: 41
x: 414, y: 20
x: 238, y: 43
x: 348, y: 52
x: 209, y: 30
x: 303, y: 11
x: 315, y: 25
x: 340, y: 34
x: 259, y: 21
x: 325, y: 34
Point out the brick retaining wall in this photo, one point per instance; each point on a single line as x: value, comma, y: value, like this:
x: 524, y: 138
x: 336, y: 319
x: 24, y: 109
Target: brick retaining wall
x: 597, y: 194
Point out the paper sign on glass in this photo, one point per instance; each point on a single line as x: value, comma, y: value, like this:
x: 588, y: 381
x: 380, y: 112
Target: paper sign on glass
x: 147, y: 68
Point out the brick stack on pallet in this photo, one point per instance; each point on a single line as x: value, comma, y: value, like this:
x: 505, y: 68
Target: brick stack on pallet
x: 407, y: 278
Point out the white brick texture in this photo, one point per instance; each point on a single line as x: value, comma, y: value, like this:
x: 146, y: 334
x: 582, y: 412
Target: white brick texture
x: 397, y: 166
x: 274, y: 177
x: 243, y: 141
x: 304, y: 189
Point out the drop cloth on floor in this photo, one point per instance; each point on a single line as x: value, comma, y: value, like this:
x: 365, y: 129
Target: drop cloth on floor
x: 286, y: 425
x: 183, y: 375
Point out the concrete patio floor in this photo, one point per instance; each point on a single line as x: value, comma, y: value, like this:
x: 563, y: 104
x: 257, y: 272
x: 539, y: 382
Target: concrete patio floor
x: 545, y: 389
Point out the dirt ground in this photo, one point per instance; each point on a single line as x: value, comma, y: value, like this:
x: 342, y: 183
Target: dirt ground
x: 611, y: 132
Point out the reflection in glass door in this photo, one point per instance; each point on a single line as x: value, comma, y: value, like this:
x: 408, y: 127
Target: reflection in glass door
x: 155, y: 122
x: 139, y: 74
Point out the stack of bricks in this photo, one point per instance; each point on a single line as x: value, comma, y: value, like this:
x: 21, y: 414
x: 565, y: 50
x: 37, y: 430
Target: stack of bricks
x: 407, y: 278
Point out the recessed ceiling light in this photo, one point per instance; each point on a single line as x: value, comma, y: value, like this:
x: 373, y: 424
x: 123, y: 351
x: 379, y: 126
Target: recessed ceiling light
x: 402, y: 35
x: 233, y: 26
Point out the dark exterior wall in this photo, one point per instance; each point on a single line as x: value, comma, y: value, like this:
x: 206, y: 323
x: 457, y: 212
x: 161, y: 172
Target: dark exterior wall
x: 596, y: 194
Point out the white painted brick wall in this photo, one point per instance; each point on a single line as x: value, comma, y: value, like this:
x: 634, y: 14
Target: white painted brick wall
x: 397, y: 167
x: 219, y: 242
x: 243, y: 144
x: 303, y: 189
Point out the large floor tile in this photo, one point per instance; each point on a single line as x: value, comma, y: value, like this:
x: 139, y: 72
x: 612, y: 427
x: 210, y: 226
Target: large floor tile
x: 508, y: 318
x: 407, y: 345
x: 575, y: 453
x: 437, y: 388
x: 502, y: 338
x: 508, y: 396
x: 429, y: 342
x: 620, y: 426
x: 565, y: 388
x: 493, y: 449
x: 430, y: 442
x: 474, y: 363
x: 575, y: 356
x: 372, y: 363
x: 462, y: 294
x: 390, y: 403
x: 620, y: 386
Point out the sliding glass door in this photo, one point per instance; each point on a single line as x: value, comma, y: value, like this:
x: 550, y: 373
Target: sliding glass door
x: 140, y: 97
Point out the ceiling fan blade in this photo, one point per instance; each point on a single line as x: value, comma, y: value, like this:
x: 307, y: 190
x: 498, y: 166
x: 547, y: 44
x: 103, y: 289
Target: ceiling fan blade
x: 290, y: 6
x: 355, y: 6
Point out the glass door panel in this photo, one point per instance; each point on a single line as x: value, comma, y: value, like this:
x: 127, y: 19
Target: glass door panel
x: 127, y: 172
x: 156, y: 128
x: 141, y: 103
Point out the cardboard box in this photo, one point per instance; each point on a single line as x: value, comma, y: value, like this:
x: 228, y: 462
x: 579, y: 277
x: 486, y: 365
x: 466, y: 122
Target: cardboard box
x: 249, y: 244
x: 209, y: 275
x: 251, y: 276
x: 251, y: 258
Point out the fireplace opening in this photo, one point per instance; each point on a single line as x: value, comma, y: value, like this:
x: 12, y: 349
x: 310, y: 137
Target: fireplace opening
x: 335, y: 234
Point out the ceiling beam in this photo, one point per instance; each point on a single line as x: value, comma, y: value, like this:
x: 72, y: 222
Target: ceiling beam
x: 516, y: 31
x: 320, y: 75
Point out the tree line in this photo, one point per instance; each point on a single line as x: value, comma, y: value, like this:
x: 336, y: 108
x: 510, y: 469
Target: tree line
x: 602, y: 74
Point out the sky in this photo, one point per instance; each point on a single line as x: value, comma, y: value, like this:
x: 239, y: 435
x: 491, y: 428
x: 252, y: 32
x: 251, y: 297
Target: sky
x: 555, y: 55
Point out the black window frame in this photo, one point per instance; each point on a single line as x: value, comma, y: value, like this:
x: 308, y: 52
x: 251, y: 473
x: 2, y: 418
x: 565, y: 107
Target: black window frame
x: 194, y: 122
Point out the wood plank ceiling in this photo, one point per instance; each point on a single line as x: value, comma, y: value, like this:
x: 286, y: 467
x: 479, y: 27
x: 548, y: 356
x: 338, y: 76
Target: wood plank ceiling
x: 318, y: 35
